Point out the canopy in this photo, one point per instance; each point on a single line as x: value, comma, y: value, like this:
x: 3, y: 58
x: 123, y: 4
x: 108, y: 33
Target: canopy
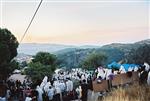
x: 114, y: 65
x: 126, y: 66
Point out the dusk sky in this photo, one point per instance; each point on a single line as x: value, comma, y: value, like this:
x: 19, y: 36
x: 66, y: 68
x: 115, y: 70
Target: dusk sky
x: 77, y: 22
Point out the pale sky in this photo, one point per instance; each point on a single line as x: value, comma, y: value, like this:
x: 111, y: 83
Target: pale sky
x: 77, y: 22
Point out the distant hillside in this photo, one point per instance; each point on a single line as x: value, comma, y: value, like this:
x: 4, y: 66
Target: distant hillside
x: 72, y: 57
x: 33, y: 48
x: 143, y: 42
x: 126, y: 47
x: 88, y: 46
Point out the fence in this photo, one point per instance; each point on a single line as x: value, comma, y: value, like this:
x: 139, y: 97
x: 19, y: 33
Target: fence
x: 119, y: 79
x: 99, y: 87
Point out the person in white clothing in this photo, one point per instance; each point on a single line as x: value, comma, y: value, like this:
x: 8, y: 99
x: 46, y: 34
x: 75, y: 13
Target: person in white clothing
x: 147, y: 67
x: 8, y: 94
x: 101, y: 73
x: 69, y: 85
x: 2, y: 99
x: 122, y: 69
x: 46, y: 87
x: 44, y: 82
x: 27, y: 99
x: 136, y: 68
x: 50, y: 93
x: 130, y: 69
x: 83, y: 77
x: 57, y: 95
x: 108, y: 72
x: 40, y: 92
x: 79, y: 92
x: 62, y: 86
x: 148, y: 78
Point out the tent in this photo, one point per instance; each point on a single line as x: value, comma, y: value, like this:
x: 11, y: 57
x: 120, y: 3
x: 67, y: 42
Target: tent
x: 114, y: 65
x: 126, y: 66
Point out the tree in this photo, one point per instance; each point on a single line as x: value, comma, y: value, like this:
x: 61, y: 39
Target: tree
x: 42, y: 65
x: 139, y: 55
x: 45, y: 58
x: 8, y: 50
x: 94, y: 60
x: 37, y: 71
x: 23, y: 64
x: 14, y: 65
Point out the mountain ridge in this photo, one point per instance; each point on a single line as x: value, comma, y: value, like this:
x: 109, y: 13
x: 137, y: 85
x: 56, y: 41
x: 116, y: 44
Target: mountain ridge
x: 33, y: 48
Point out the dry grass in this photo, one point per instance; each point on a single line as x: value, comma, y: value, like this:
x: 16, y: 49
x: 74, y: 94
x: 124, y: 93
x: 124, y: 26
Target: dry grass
x: 131, y: 93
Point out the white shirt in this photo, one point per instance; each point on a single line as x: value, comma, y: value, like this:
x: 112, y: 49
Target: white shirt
x: 40, y: 92
x: 147, y: 67
x: 130, y: 69
x: 58, y: 90
x: 69, y: 85
x: 27, y: 99
x: 51, y: 93
x: 62, y: 86
x: 44, y: 82
x: 148, y: 79
x: 46, y: 87
x: 122, y: 69
x: 83, y: 77
x: 79, y: 91
x: 56, y: 83
x: 8, y: 94
x: 115, y: 72
x: 109, y: 72
x: 135, y: 68
x: 101, y: 73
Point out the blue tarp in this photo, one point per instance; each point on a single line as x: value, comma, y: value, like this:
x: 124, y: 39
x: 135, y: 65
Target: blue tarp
x: 126, y: 66
x: 114, y: 65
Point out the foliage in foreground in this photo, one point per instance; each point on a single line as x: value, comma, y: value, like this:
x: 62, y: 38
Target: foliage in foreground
x: 8, y: 50
x: 37, y: 71
x: 132, y: 93
x: 42, y: 65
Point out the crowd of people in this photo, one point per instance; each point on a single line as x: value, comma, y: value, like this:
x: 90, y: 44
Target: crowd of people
x: 12, y: 90
x: 67, y: 85
x: 108, y: 74
x: 64, y: 86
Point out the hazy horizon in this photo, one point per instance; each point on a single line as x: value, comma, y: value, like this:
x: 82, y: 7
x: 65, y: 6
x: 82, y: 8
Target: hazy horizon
x: 79, y: 22
x: 85, y: 43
